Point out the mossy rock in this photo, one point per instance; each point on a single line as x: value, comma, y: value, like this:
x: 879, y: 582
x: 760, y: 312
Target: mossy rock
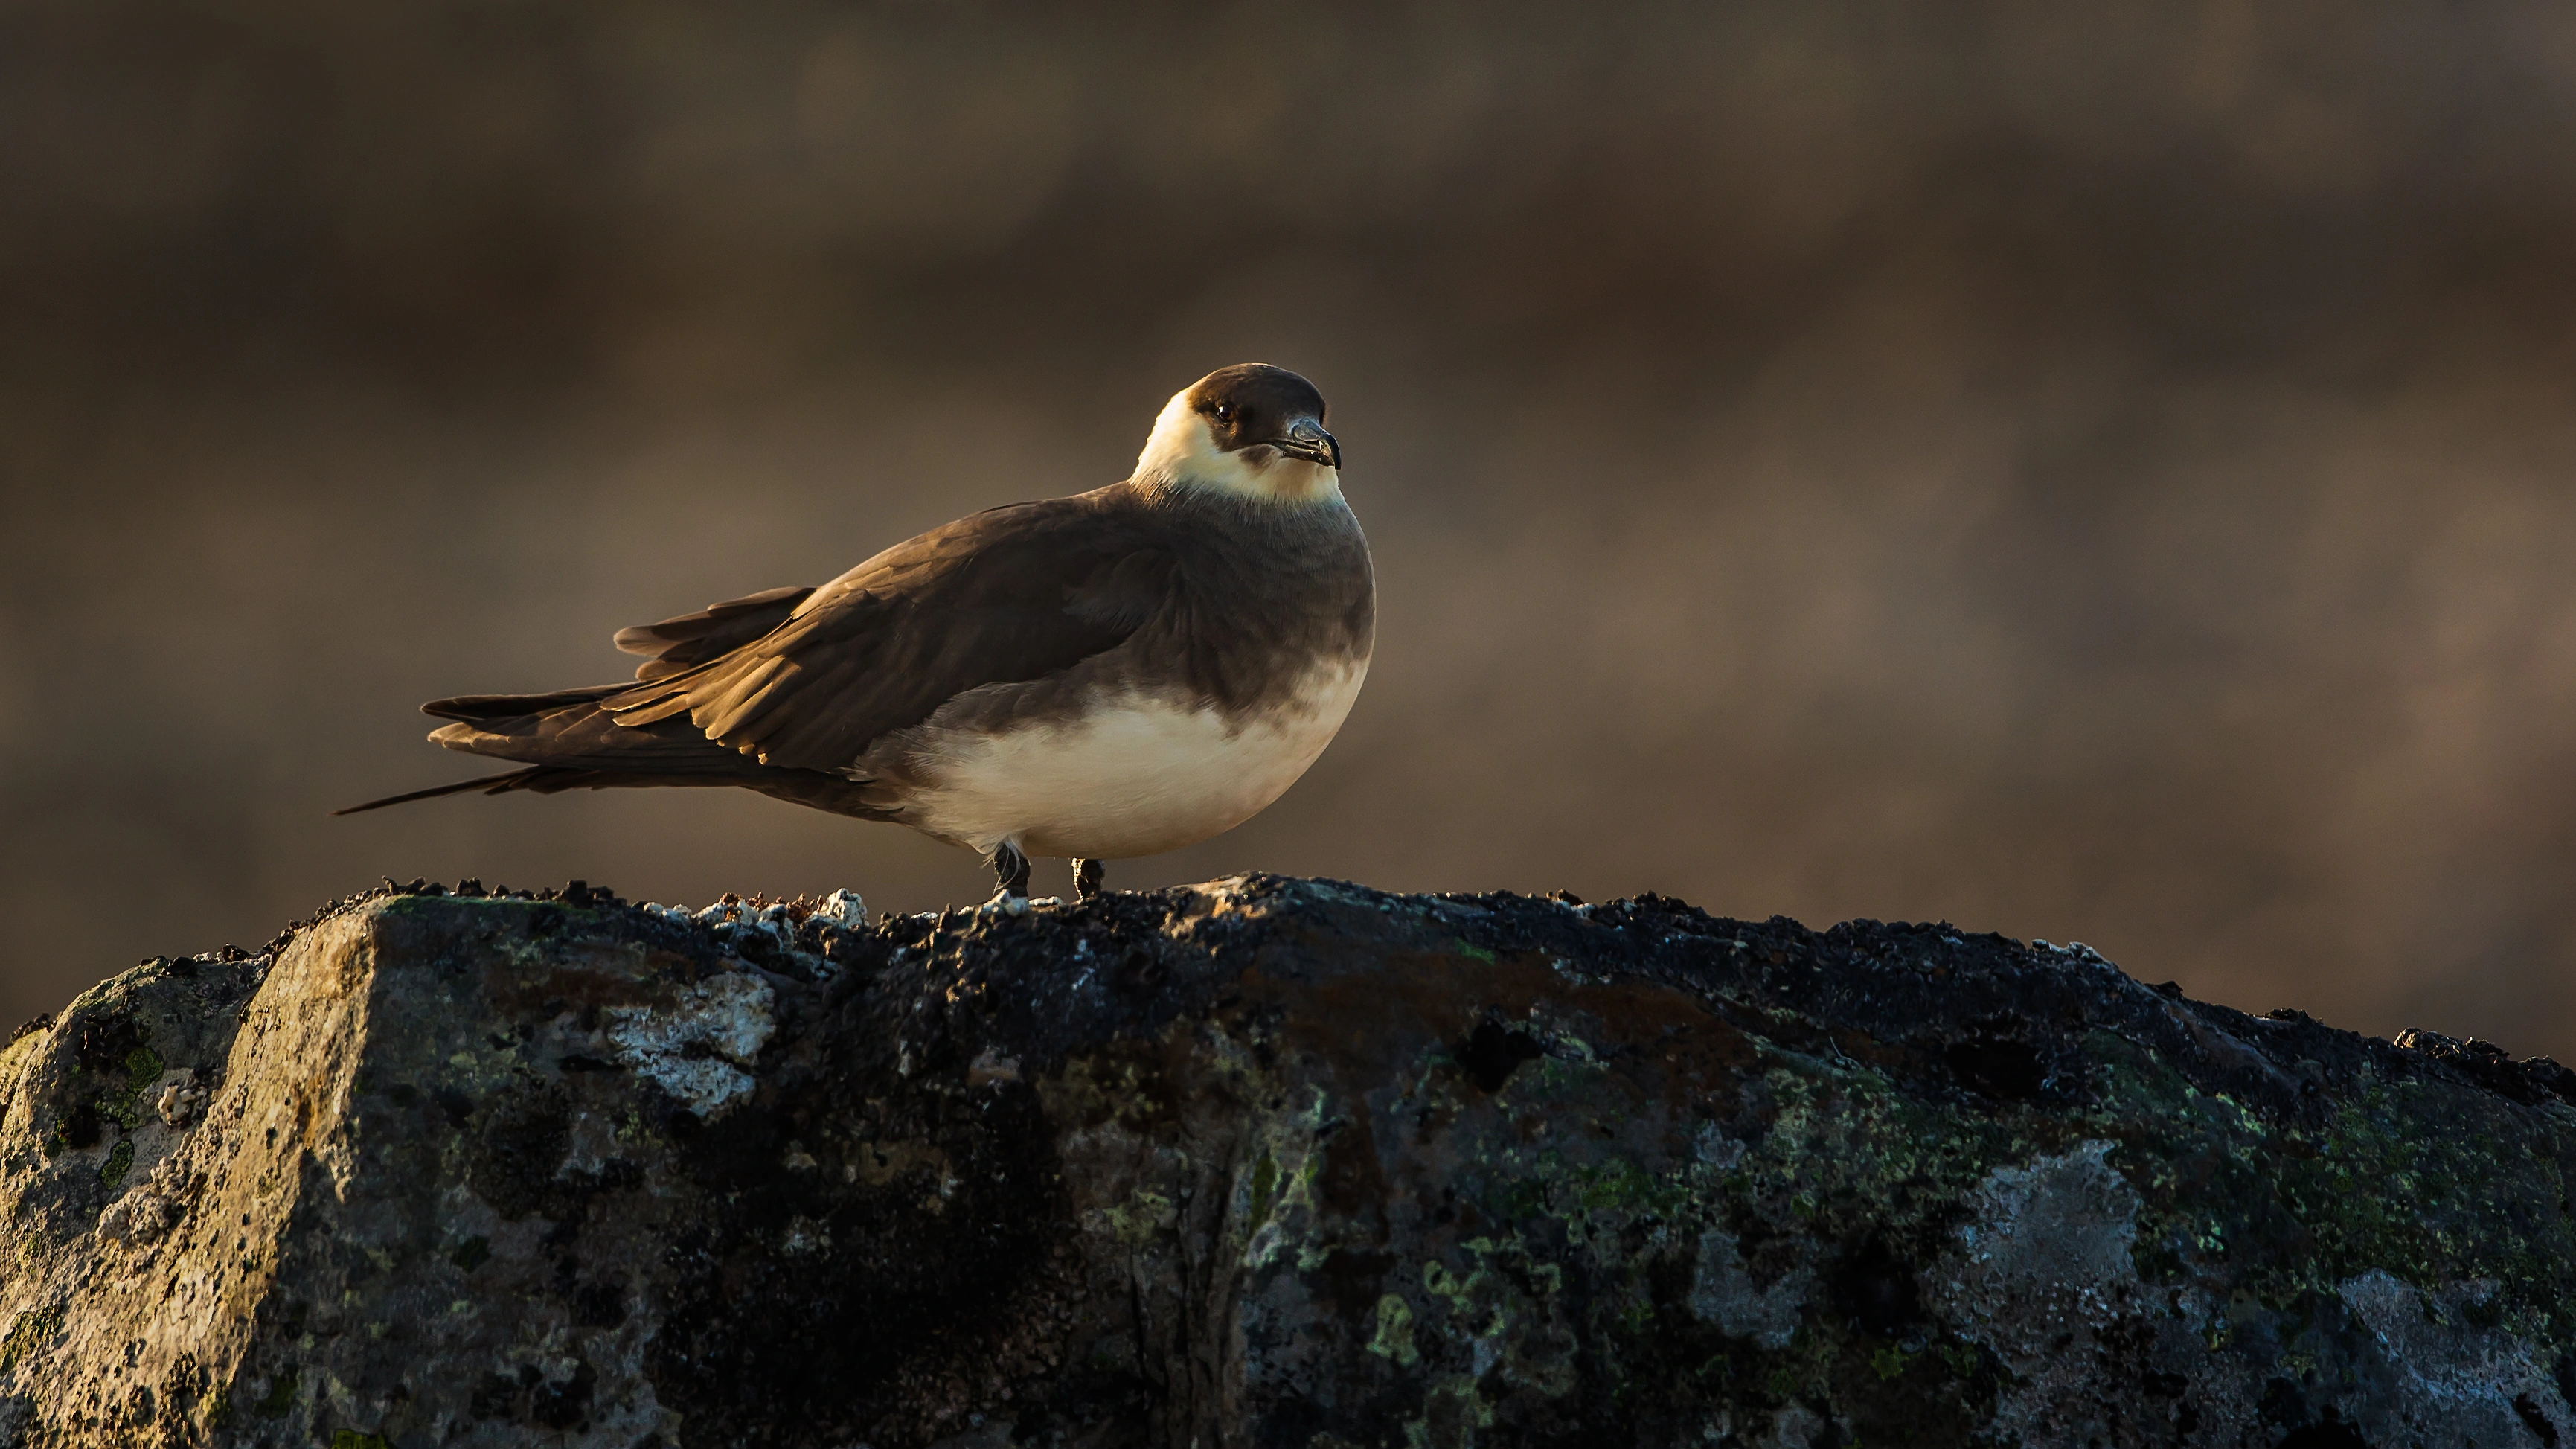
x: 1263, y: 1162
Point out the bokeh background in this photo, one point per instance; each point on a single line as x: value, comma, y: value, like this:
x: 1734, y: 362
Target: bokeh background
x: 2083, y: 472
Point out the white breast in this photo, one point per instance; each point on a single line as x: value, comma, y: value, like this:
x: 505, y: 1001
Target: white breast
x: 1132, y: 775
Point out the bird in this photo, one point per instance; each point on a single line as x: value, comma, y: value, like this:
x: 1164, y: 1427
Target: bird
x: 1096, y: 677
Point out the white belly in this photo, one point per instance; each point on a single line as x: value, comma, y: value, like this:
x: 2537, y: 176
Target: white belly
x: 1134, y: 776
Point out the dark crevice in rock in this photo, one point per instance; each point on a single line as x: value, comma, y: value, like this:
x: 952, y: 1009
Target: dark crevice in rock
x: 1492, y: 1051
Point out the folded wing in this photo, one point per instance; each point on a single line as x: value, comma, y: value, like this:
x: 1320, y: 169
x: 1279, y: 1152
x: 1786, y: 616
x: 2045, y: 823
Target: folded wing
x: 1005, y: 596
x: 805, y: 678
x: 783, y: 690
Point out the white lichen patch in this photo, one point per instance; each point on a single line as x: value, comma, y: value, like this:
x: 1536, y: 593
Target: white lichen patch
x: 843, y: 908
x: 2454, y: 1382
x: 2042, y: 1267
x: 1723, y: 1293
x: 804, y: 1238
x: 181, y: 1100
x: 1795, y: 1427
x: 736, y: 915
x: 2049, y: 1244
x: 1714, y: 1148
x: 700, y: 1048
x: 593, y: 1143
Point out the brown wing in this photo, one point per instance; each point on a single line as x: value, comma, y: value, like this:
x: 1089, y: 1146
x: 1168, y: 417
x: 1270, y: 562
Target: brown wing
x: 1007, y: 595
x: 673, y: 644
x: 693, y: 639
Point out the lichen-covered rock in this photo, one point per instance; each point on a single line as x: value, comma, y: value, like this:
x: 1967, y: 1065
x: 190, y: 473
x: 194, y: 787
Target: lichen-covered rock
x: 1263, y: 1162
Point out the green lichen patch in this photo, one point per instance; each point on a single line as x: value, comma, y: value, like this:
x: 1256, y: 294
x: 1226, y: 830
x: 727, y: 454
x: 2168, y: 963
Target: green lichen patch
x: 29, y: 1333
x: 125, y: 1107
x: 2432, y: 1185
x: 281, y: 1393
x: 1394, y: 1336
x: 1265, y: 1182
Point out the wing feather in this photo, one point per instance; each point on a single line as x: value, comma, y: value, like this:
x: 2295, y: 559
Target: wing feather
x: 676, y: 644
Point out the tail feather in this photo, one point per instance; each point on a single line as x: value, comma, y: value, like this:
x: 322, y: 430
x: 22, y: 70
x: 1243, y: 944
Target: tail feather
x: 535, y: 777
x: 563, y: 742
x: 516, y: 706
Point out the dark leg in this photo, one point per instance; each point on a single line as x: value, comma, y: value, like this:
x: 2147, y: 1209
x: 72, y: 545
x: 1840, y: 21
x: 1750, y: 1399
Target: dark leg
x: 1086, y: 878
x: 1011, y: 869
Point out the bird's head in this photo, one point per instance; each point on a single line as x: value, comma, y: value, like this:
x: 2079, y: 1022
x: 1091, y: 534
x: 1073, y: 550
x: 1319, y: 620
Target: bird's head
x: 1251, y: 429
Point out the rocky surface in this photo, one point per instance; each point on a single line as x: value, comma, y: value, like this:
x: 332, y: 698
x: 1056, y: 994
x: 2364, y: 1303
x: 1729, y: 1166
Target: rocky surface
x: 1263, y: 1162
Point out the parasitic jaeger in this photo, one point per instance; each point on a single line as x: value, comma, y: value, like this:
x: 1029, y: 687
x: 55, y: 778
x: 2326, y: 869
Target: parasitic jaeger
x: 1114, y: 674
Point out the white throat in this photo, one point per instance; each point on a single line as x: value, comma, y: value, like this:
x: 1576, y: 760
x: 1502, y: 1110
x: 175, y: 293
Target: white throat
x: 1182, y: 453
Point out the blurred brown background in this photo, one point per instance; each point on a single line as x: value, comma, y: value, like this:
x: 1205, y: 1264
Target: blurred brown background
x: 2092, y: 472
